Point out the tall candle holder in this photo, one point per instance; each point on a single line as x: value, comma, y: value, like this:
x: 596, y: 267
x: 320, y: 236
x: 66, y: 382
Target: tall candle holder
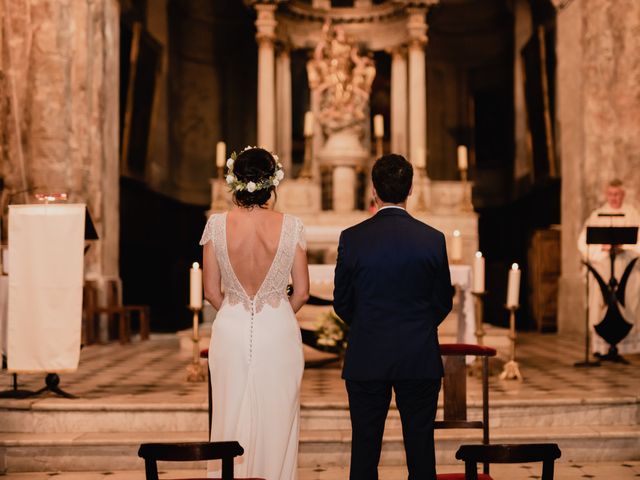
x: 478, y: 303
x: 467, y: 206
x: 306, y: 171
x: 219, y: 202
x: 379, y: 149
x: 511, y: 371
x: 422, y: 174
x: 196, y: 372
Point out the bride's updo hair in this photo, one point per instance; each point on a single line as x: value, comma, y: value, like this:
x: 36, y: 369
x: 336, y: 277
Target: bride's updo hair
x: 254, y: 165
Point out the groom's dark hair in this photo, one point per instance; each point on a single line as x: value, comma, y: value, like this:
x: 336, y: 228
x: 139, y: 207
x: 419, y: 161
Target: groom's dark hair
x: 392, y: 176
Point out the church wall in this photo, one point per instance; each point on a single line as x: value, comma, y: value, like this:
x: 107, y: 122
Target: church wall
x: 598, y: 80
x: 59, y: 110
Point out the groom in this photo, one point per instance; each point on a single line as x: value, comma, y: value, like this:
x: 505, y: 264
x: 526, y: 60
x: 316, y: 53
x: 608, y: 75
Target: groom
x: 393, y: 288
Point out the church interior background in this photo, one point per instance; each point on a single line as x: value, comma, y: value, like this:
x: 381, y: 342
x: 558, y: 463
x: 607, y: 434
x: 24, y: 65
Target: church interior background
x: 121, y: 105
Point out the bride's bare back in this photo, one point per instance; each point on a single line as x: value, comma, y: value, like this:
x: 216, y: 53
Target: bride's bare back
x: 253, y: 237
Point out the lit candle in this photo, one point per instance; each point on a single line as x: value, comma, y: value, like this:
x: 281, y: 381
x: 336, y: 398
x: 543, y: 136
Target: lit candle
x: 513, y: 286
x: 378, y: 126
x: 463, y: 163
x: 456, y: 246
x: 421, y: 158
x: 221, y: 153
x: 478, y: 273
x: 195, y: 286
x: 308, y: 124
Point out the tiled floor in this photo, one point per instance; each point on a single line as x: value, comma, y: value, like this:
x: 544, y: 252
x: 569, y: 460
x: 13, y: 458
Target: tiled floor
x: 154, y: 372
x: 563, y: 471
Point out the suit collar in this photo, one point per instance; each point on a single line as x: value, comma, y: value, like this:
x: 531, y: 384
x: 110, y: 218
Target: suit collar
x: 392, y: 212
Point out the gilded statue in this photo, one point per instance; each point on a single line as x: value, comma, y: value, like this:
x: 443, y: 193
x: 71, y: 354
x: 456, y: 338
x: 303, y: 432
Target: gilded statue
x: 342, y: 77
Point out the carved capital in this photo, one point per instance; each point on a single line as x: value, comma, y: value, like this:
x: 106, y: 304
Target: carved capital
x: 265, y: 22
x: 417, y: 26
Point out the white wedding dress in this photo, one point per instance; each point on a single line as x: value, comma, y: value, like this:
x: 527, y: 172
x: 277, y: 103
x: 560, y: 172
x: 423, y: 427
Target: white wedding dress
x: 256, y: 361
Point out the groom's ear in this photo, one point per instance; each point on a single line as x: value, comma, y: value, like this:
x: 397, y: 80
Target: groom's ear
x: 410, y: 191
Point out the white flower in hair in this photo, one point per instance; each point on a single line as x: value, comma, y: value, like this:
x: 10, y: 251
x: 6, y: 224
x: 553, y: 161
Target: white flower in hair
x: 230, y: 179
x: 230, y: 163
x: 276, y: 182
x: 279, y: 175
x: 251, y: 187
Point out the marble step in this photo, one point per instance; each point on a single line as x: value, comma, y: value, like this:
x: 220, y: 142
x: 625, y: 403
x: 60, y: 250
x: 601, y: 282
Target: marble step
x: 29, y: 452
x: 55, y: 416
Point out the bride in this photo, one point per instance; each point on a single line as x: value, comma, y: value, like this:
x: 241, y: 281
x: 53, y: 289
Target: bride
x: 255, y: 355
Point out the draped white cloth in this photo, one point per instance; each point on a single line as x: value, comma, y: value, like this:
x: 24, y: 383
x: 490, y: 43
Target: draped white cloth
x: 256, y: 361
x: 46, y: 248
x: 599, y: 258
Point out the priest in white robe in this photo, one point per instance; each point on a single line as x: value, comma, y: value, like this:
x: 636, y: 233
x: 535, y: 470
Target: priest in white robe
x: 598, y: 256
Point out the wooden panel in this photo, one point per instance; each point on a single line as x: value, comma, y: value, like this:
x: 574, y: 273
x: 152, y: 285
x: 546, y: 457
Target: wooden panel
x: 544, y: 272
x: 455, y: 388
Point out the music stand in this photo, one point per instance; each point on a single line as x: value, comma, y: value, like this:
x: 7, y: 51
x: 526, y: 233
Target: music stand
x: 614, y: 237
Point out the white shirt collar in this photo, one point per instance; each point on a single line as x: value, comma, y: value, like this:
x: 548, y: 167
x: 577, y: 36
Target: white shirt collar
x: 390, y: 206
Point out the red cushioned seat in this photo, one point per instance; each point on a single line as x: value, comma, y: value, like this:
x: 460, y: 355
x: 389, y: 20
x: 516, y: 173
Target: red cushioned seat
x: 466, y: 349
x: 460, y: 476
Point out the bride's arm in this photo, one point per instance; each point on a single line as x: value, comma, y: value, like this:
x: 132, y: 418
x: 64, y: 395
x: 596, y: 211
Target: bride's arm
x: 300, y: 277
x: 212, y: 282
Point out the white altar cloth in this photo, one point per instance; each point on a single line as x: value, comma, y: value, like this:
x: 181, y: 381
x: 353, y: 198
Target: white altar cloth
x: 46, y: 248
x: 461, y: 277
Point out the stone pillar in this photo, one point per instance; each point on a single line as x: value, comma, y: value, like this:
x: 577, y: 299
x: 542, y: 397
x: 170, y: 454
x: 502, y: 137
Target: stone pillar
x: 344, y: 188
x: 598, y: 116
x: 59, y: 111
x: 265, y: 35
x: 399, y: 101
x: 284, y: 133
x: 417, y: 29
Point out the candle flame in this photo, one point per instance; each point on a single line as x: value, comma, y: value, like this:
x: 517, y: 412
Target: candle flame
x: 195, y: 265
x: 456, y: 233
x: 514, y: 266
x: 478, y: 254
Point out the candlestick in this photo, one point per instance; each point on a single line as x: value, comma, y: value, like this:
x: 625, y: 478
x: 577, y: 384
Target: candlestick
x: 308, y: 124
x: 378, y: 126
x: 478, y: 303
x: 456, y: 247
x: 195, y: 286
x: 195, y: 370
x: 511, y: 370
x: 221, y: 153
x: 478, y: 273
x: 513, y: 287
x: 463, y: 163
x: 420, y: 160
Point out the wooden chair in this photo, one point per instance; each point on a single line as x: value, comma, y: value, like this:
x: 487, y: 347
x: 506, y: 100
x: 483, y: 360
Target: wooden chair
x: 547, y: 453
x: 118, y: 315
x: 454, y: 390
x: 189, y: 452
x: 204, y: 353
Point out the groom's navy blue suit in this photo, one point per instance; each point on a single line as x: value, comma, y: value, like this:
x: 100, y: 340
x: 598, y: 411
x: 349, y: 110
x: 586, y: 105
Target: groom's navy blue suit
x: 393, y: 288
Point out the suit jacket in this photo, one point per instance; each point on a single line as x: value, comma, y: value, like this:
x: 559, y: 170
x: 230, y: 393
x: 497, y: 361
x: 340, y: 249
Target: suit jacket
x: 393, y: 289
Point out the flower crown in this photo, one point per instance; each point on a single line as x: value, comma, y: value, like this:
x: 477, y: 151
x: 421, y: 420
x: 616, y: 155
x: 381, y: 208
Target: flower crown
x: 237, y: 185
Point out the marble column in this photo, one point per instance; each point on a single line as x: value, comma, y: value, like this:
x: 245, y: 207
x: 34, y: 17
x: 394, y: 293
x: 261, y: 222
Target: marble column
x: 284, y: 126
x: 417, y: 29
x: 399, y: 101
x: 344, y: 188
x: 265, y: 36
x: 598, y: 114
x: 59, y: 111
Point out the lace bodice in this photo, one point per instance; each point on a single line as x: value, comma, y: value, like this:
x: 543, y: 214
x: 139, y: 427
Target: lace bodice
x: 274, y: 287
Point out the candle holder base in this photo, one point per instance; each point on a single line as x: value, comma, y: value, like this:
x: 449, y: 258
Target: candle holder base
x: 511, y: 371
x: 196, y: 372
